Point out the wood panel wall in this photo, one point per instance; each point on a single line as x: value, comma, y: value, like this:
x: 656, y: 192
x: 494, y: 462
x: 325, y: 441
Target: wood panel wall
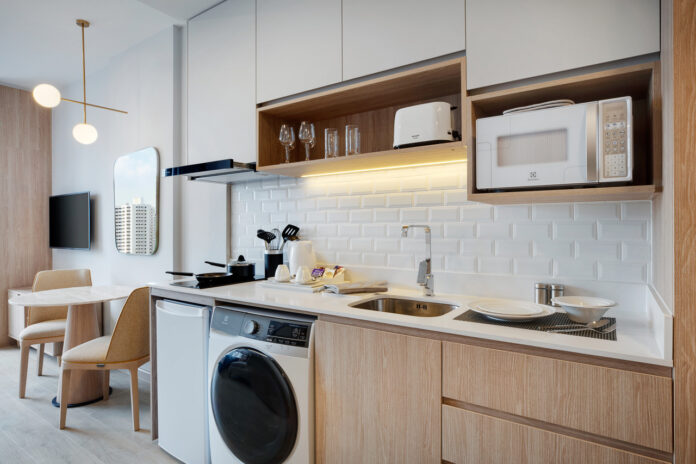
x: 25, y: 185
x: 685, y: 230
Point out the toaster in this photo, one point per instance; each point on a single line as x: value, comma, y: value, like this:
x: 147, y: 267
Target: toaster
x: 423, y: 124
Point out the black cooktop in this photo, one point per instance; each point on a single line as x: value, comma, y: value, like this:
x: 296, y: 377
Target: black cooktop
x: 196, y: 284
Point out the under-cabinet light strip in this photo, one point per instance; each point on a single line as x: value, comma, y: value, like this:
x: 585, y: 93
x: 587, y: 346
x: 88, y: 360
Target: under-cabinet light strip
x: 416, y: 165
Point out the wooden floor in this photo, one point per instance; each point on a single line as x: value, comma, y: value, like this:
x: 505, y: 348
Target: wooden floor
x: 98, y: 433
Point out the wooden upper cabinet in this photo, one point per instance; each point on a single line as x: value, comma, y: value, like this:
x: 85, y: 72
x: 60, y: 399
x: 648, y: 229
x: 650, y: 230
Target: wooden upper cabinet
x: 378, y: 396
x: 509, y: 40
x: 299, y: 46
x: 221, y: 83
x: 385, y: 34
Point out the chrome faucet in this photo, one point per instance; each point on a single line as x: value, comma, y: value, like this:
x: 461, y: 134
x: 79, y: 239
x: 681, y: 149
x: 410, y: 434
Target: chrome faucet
x: 425, y: 275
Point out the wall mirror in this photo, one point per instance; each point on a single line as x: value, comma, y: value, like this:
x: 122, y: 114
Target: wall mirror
x: 136, y: 199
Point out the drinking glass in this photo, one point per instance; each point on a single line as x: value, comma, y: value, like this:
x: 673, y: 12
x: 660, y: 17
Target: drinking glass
x: 287, y: 139
x: 330, y: 143
x: 352, y: 140
x: 306, y: 136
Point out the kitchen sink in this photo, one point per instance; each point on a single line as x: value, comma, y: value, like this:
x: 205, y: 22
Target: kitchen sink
x: 389, y: 304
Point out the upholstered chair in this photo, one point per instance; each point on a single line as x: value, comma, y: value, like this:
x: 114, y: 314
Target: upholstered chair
x: 47, y: 324
x: 127, y: 348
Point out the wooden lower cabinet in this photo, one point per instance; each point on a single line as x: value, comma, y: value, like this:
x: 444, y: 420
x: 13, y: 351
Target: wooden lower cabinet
x: 378, y: 396
x: 470, y: 437
x: 614, y: 403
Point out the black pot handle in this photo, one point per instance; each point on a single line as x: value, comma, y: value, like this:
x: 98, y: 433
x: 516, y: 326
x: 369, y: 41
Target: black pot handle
x: 188, y: 274
x: 215, y: 264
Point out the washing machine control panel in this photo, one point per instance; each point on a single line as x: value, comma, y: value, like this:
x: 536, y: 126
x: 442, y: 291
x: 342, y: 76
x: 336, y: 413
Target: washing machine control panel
x: 288, y: 333
x: 268, y: 328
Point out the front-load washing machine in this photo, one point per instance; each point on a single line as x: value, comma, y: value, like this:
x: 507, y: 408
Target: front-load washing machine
x: 261, y: 386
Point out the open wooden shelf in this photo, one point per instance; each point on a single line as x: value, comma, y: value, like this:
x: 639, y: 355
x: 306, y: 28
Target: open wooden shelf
x: 641, y: 82
x: 371, y: 105
x: 441, y: 153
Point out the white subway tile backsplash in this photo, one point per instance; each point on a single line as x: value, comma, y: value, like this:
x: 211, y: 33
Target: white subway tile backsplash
x: 513, y: 248
x: 533, y: 267
x: 574, y: 269
x: 593, y: 211
x: 574, y: 230
x: 532, y: 231
x: 413, y: 215
x: 625, y: 230
x: 597, y: 249
x: 636, y: 210
x: 496, y: 265
x: 512, y: 213
x: 428, y: 198
x: 622, y: 272
x: 448, y: 214
x: 494, y: 230
x: 552, y: 212
x: 356, y: 220
x: 400, y: 200
x: 386, y: 215
x: 460, y: 230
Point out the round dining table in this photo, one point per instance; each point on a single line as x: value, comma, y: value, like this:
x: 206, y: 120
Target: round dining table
x: 82, y: 325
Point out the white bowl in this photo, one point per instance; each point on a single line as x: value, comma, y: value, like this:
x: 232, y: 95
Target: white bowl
x: 584, y: 308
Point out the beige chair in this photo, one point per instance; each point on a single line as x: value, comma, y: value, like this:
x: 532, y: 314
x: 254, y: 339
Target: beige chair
x: 127, y: 348
x: 47, y: 324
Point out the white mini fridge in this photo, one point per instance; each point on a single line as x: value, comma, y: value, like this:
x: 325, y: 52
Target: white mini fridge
x: 182, y: 400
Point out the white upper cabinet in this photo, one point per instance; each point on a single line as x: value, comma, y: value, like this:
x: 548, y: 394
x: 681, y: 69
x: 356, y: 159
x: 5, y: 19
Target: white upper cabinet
x: 299, y: 46
x: 510, y: 39
x: 385, y: 34
x: 221, y: 83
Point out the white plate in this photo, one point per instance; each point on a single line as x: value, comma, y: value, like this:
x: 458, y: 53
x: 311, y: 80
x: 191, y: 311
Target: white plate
x: 510, y: 307
x: 543, y: 311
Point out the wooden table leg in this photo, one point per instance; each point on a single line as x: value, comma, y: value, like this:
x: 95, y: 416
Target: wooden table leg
x: 82, y: 325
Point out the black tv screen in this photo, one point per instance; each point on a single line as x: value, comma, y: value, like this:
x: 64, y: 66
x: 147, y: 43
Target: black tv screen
x: 69, y: 221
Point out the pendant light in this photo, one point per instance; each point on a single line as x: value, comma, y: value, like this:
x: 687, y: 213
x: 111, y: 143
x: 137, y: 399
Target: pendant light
x: 48, y: 96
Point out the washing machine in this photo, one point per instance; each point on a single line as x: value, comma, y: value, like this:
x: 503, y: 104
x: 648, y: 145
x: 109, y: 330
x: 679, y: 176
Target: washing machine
x: 260, y: 387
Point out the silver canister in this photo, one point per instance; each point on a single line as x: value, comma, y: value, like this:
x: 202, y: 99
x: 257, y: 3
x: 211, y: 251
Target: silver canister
x: 556, y: 291
x: 541, y: 293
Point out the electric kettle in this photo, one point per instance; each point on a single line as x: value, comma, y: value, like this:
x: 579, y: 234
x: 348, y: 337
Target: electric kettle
x: 300, y: 253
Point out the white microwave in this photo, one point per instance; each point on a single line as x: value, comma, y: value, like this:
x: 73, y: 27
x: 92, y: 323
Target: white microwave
x: 578, y: 144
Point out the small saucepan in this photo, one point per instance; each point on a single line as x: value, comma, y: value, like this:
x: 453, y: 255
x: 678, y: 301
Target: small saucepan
x: 238, y: 267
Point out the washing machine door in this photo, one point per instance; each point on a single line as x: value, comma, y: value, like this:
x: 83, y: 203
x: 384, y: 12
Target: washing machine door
x: 254, y: 406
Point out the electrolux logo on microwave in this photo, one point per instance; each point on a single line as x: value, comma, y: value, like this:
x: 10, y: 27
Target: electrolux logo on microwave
x: 532, y: 176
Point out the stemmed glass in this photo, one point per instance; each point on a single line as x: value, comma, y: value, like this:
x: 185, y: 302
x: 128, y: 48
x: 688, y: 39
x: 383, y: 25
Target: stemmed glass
x: 306, y: 136
x: 287, y: 139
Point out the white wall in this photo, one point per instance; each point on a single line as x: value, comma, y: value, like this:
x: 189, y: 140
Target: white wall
x: 142, y: 82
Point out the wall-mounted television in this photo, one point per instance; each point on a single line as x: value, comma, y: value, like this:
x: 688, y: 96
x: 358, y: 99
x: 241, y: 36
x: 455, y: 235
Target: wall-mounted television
x: 69, y: 221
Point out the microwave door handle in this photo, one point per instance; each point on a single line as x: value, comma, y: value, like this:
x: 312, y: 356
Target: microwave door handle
x: 592, y: 140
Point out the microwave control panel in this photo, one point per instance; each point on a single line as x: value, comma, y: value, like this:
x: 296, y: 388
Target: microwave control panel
x: 615, y: 145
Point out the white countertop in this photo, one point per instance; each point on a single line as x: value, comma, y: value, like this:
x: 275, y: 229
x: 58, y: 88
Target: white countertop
x: 636, y: 340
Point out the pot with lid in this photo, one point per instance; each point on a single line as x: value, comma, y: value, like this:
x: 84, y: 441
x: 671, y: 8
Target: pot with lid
x: 238, y: 267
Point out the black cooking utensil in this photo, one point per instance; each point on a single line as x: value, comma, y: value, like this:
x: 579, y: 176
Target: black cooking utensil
x: 289, y: 234
x: 265, y: 236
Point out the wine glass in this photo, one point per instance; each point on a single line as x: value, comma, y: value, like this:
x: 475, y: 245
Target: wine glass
x: 306, y: 136
x: 287, y: 139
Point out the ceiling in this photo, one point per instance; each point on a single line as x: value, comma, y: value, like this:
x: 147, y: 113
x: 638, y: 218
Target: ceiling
x: 39, y: 41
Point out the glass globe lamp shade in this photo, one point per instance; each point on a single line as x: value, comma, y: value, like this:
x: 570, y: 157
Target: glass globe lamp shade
x: 85, y: 133
x: 46, y: 95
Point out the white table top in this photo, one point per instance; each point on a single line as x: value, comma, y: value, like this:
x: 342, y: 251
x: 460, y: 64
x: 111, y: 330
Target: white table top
x: 73, y: 296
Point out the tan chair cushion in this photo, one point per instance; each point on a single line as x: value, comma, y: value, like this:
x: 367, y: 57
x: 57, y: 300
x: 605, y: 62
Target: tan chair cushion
x: 91, y: 352
x: 54, y: 328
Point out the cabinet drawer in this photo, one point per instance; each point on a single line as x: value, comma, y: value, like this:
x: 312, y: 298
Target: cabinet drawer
x: 470, y: 437
x: 622, y: 405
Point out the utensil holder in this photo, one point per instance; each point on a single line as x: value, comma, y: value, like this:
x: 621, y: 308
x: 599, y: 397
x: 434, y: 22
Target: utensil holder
x: 271, y: 260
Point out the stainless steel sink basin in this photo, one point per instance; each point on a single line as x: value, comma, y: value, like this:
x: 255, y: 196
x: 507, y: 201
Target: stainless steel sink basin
x: 389, y: 304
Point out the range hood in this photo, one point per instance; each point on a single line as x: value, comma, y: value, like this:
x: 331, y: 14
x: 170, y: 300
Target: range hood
x: 225, y: 171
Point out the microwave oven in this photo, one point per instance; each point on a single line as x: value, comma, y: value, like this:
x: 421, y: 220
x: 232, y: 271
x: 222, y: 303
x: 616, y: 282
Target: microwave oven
x: 578, y: 144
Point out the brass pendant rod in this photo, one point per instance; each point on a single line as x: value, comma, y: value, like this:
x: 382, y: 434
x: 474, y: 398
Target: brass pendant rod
x: 93, y: 105
x: 84, y: 78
